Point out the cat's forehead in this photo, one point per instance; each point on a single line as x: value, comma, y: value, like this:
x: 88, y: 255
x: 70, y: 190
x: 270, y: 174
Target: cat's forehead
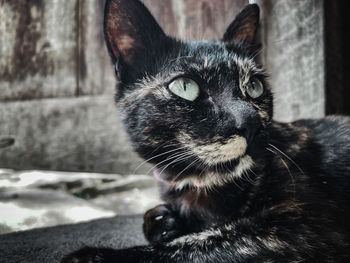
x: 212, y: 55
x: 212, y: 64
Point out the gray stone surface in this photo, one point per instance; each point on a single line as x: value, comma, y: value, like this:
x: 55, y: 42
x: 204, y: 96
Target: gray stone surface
x: 49, y: 245
x: 77, y: 134
x: 34, y: 199
x: 293, y: 51
x: 34, y: 208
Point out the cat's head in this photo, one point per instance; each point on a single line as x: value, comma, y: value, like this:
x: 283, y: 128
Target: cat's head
x: 193, y: 108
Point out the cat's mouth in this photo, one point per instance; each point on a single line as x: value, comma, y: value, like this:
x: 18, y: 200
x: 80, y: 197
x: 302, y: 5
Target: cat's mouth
x: 213, y: 163
x: 207, y: 179
x: 218, y: 150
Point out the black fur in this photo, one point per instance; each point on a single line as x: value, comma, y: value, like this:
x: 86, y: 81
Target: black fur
x: 285, y: 195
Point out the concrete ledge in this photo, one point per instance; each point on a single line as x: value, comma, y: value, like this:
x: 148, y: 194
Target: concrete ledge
x: 36, y: 199
x: 51, y: 244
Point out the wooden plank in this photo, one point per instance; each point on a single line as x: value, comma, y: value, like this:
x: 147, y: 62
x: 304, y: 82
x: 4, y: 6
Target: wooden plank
x: 195, y: 19
x: 95, y: 71
x: 37, y: 51
x: 294, y: 55
x: 69, y: 134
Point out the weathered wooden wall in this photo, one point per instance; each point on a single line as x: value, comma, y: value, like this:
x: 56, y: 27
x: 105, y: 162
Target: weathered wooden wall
x: 57, y: 85
x: 195, y: 19
x: 56, y: 80
x: 52, y: 49
x: 38, y: 42
x: 293, y: 40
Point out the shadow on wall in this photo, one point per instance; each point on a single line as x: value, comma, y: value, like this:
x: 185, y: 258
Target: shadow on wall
x: 6, y: 142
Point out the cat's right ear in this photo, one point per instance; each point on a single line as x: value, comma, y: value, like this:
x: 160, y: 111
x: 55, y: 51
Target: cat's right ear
x: 130, y: 32
x: 244, y: 26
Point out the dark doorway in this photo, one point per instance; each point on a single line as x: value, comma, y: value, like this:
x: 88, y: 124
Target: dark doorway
x: 337, y: 67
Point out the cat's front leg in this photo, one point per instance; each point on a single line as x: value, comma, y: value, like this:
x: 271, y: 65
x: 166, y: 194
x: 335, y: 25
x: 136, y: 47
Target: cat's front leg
x: 282, y: 239
x: 163, y: 223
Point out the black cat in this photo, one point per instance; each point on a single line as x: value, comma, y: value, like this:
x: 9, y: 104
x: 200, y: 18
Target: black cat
x: 237, y: 186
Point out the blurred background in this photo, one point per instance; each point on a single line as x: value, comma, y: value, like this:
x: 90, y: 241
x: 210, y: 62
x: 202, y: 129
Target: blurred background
x: 65, y: 157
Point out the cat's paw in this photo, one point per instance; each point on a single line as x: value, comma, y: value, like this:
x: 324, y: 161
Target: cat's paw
x: 162, y: 224
x: 88, y: 255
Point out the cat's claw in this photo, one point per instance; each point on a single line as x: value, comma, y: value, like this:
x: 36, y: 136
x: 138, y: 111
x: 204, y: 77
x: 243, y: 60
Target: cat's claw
x: 161, y: 224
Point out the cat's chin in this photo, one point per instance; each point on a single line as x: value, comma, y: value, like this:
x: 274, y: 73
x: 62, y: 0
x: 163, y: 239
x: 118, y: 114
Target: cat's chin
x: 211, y: 177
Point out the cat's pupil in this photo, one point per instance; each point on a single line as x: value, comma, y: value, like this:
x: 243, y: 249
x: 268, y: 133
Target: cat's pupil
x: 185, y: 88
x: 255, y: 88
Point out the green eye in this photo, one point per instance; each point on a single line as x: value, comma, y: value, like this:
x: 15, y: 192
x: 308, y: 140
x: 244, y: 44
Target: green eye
x: 255, y: 88
x: 185, y: 88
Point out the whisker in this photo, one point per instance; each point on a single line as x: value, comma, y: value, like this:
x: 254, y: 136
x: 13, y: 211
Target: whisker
x: 204, y: 166
x: 231, y: 172
x: 285, y: 164
x: 291, y: 176
x: 234, y: 181
x: 188, y: 166
x: 178, y: 160
x: 173, y: 156
x: 247, y: 178
x: 173, y: 150
x: 290, y: 159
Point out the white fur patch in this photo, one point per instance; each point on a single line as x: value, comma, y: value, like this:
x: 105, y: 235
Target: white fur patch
x: 217, y: 151
x: 196, y: 238
x: 211, y: 179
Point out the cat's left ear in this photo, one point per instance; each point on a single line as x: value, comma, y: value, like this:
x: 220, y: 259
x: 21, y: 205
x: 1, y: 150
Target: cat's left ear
x: 131, y: 32
x: 244, y: 26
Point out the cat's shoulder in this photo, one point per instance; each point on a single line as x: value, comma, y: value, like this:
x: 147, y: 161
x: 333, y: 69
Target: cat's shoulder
x: 333, y: 128
x: 331, y: 135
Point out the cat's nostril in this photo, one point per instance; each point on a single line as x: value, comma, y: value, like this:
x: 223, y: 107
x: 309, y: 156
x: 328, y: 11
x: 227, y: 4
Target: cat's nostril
x: 244, y: 132
x: 248, y: 128
x: 249, y: 134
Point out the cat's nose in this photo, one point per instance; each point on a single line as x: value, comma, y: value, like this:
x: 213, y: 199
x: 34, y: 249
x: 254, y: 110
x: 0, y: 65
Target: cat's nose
x: 248, y: 127
x: 240, y: 119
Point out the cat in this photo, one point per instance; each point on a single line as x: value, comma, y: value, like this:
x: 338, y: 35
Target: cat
x: 237, y: 186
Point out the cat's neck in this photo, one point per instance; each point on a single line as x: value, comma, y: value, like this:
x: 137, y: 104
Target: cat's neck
x: 213, y: 193
x: 278, y: 139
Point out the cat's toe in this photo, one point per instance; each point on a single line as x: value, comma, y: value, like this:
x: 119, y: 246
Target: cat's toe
x: 161, y: 224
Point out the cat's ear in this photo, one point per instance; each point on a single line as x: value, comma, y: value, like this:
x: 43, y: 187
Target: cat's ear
x: 130, y: 32
x: 244, y: 26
